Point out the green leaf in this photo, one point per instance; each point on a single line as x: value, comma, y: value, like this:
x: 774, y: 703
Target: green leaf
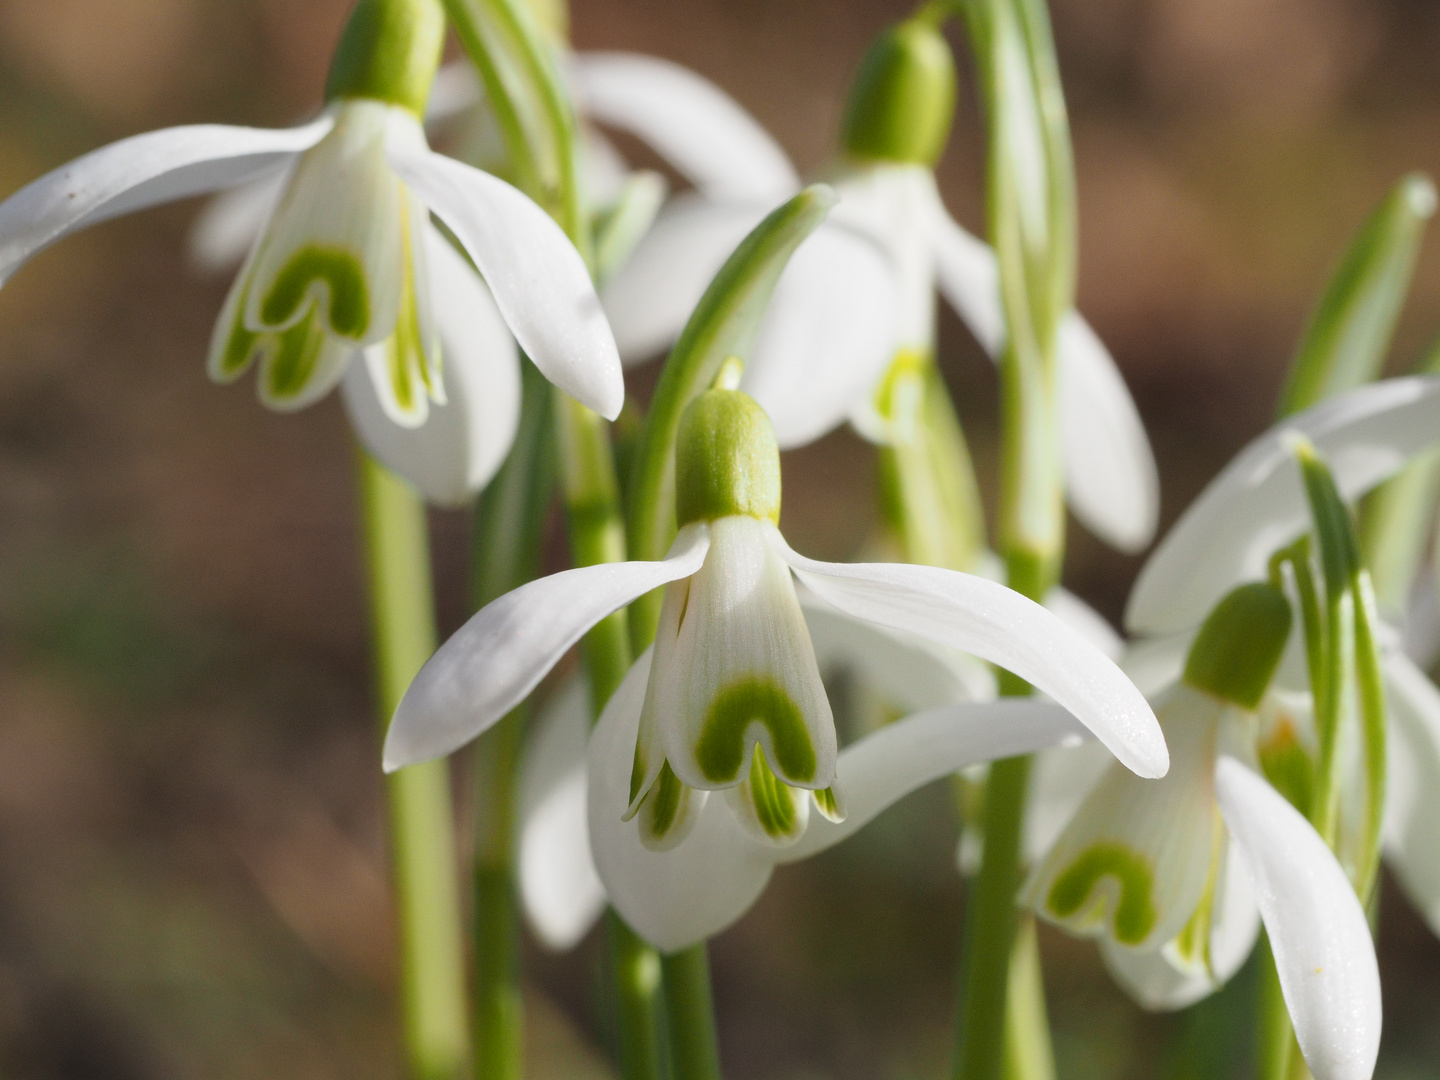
x: 1350, y: 329
x: 723, y: 324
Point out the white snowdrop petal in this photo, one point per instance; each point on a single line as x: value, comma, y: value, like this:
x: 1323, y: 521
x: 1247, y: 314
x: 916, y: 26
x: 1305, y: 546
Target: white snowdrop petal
x: 1412, y: 784
x: 1256, y: 504
x: 536, y: 276
x: 1111, y: 481
x: 997, y: 624
x: 334, y: 244
x: 227, y: 228
x: 827, y: 337
x: 455, y: 89
x: 560, y: 890
x: 1133, y: 863
x: 1157, y: 984
x: 1076, y: 613
x: 742, y: 671
x: 687, y: 120
x: 969, y: 279
x: 1060, y: 779
x: 464, y: 440
x: 1317, y: 928
x: 908, y: 754
x: 492, y: 662
x: 651, y: 296
x: 139, y: 172
x: 674, y: 898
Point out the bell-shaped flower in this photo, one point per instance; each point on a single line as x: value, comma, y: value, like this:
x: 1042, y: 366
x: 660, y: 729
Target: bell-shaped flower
x: 730, y: 700
x: 1175, y: 875
x: 895, y: 129
x: 348, y: 271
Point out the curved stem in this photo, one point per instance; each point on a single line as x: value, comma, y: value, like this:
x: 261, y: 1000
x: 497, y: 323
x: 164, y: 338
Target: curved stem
x: 422, y: 838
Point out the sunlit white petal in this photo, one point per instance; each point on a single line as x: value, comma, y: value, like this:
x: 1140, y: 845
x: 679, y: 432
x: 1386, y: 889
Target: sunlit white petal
x: 536, y: 276
x: 230, y: 223
x: 1256, y: 504
x: 1111, y: 481
x: 142, y: 171
x: 1317, y: 928
x: 492, y: 662
x: 687, y: 120
x: 999, y: 625
x: 451, y: 456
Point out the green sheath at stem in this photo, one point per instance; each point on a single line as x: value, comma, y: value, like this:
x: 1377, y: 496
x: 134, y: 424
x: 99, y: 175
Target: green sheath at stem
x: 508, y: 532
x: 422, y: 830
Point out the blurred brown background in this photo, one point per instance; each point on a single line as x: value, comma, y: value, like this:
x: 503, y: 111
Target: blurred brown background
x: 191, y: 862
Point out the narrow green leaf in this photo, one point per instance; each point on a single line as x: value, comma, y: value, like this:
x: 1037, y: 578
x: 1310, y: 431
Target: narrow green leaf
x: 1351, y: 327
x: 723, y: 324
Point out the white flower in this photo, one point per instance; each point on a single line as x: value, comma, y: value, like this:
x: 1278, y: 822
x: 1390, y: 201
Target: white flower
x: 348, y: 273
x: 733, y: 701
x: 831, y: 314
x: 1176, y: 875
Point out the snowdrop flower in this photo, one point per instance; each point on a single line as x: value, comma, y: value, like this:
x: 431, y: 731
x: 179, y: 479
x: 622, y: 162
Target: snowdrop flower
x: 348, y: 275
x: 890, y: 674
x: 732, y: 700
x: 1175, y: 875
x: 896, y: 126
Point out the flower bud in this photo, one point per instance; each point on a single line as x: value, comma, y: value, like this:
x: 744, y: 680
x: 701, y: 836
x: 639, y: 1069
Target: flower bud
x: 903, y: 98
x: 1235, y: 655
x: 726, y: 460
x: 389, y: 51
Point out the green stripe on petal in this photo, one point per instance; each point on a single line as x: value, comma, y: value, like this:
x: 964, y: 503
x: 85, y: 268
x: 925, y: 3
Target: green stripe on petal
x: 300, y: 365
x: 769, y: 809
x: 755, y: 699
x: 1078, y: 890
x: 668, y: 812
x: 340, y: 272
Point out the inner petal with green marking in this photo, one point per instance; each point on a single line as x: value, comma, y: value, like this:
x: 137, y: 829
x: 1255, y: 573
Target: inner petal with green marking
x: 750, y: 702
x: 771, y: 810
x: 328, y: 276
x: 1109, y: 881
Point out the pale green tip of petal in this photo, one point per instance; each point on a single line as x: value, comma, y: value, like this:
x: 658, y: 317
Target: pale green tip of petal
x: 720, y: 749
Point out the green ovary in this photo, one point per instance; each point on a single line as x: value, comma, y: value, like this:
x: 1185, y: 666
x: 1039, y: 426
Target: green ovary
x: 1134, y: 915
x: 343, y: 275
x: 720, y: 751
x: 771, y: 798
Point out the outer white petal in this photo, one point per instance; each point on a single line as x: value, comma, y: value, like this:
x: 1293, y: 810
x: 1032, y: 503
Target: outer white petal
x: 1256, y: 504
x: 1111, y: 481
x: 999, y: 625
x: 969, y: 279
x: 687, y: 120
x: 559, y: 886
x: 226, y: 230
x: 454, y: 453
x: 651, y: 296
x: 455, y: 89
x: 1323, y: 951
x: 1158, y: 985
x: 537, y: 277
x: 827, y: 337
x: 494, y: 660
x: 144, y: 170
x: 673, y: 898
x: 1110, y: 475
x: 901, y: 757
x: 1412, y: 786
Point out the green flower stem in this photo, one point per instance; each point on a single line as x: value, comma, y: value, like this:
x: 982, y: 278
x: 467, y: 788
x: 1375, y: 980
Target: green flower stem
x: 695, y: 1053
x: 422, y: 837
x: 507, y: 539
x: 1275, y: 1041
x: 991, y: 930
x: 635, y: 977
x: 1028, y: 1053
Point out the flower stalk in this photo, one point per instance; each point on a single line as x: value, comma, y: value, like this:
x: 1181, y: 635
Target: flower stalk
x: 422, y: 837
x: 1031, y: 214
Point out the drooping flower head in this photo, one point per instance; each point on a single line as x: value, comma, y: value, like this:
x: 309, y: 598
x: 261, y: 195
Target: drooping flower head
x: 349, y: 270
